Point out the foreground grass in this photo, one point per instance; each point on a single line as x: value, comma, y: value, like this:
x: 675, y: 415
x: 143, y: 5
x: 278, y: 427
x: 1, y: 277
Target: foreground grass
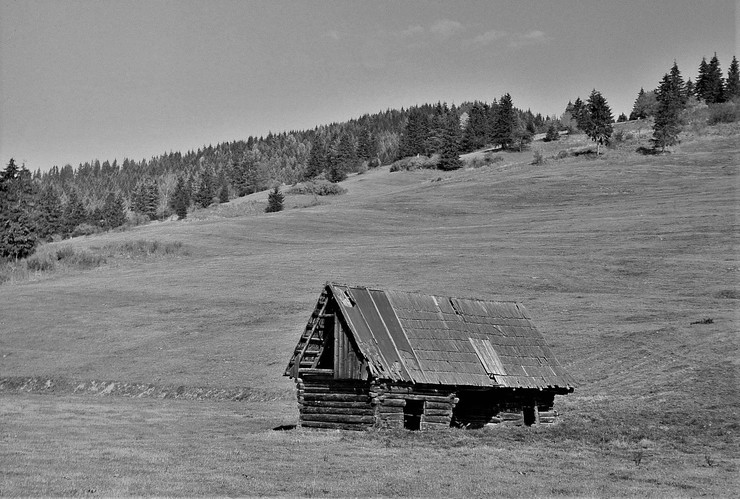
x: 110, y: 446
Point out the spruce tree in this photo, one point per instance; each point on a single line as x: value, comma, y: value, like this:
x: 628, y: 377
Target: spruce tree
x: 49, y: 214
x: 668, y: 123
x: 316, y: 158
x: 580, y: 113
x: 204, y: 194
x: 732, y: 84
x: 180, y: 199
x: 74, y: 212
x: 275, y: 200
x: 598, y: 120
x: 113, y: 213
x: 505, y: 124
x: 450, y: 154
x: 702, y: 80
x: 17, y: 225
x: 552, y: 133
x: 223, y: 194
x: 715, y: 88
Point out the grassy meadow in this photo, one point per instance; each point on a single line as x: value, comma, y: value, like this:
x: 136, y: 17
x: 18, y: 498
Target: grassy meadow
x: 627, y: 263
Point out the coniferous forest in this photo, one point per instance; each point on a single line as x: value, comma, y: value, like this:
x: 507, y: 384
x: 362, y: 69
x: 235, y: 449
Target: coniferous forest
x: 95, y: 196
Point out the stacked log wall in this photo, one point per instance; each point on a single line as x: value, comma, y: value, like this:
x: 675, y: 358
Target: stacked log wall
x: 334, y: 404
x: 391, y: 401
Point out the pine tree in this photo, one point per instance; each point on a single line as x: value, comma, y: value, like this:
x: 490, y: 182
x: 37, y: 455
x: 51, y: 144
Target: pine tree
x: 204, y: 194
x: 580, y: 113
x: 598, y: 120
x: 17, y: 225
x: 477, y: 129
x: 552, y: 133
x: 316, y: 158
x: 181, y: 198
x: 450, y: 154
x: 505, y: 124
x: 49, y: 214
x: 622, y: 118
x: 113, y: 213
x: 678, y: 87
x: 275, y: 200
x: 732, y: 84
x: 702, y: 80
x: 74, y: 212
x: 223, y: 194
x: 668, y: 123
x: 346, y: 153
x: 715, y: 87
x: 145, y: 199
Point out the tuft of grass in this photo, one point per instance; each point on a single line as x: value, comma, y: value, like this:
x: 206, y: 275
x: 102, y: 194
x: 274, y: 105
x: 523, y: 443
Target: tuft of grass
x: 143, y: 249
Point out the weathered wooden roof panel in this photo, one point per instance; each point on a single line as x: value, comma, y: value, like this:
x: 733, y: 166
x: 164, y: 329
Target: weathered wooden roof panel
x: 433, y: 339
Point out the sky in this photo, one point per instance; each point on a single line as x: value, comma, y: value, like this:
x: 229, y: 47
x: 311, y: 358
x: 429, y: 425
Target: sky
x: 85, y: 80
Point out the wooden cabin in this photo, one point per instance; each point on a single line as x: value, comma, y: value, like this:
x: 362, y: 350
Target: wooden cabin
x: 375, y: 358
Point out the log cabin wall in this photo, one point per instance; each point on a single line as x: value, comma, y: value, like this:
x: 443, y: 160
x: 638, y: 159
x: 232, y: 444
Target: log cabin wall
x: 432, y: 406
x: 324, y: 402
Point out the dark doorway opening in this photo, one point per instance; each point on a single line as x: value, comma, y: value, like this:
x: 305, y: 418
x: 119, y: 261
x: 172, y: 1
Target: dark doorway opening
x: 529, y: 416
x: 412, y: 413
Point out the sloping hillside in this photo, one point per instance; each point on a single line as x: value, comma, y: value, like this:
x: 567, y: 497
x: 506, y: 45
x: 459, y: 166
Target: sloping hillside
x: 627, y: 263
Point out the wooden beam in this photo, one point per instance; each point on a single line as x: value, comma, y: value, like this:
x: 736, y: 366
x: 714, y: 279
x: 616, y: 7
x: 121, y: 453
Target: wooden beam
x: 337, y: 418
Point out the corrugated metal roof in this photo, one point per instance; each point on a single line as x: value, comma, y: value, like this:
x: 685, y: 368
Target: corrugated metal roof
x: 410, y: 337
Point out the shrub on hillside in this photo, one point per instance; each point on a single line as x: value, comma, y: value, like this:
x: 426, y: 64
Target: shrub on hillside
x: 726, y: 112
x: 488, y: 159
x: 539, y: 159
x: 317, y: 187
x: 415, y: 163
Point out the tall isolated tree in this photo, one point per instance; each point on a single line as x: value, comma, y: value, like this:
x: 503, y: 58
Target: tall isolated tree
x: 505, y: 123
x: 275, y: 200
x: 598, y: 119
x: 671, y: 102
x: 732, y: 84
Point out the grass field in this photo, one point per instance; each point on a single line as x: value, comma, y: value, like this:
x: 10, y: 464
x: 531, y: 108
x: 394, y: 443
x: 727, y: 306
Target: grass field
x: 620, y: 260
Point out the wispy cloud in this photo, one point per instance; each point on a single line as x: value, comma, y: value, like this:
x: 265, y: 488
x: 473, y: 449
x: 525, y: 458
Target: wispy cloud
x: 442, y: 29
x: 445, y: 28
x: 412, y: 31
x: 514, y: 40
x: 489, y: 37
x: 534, y: 37
x: 333, y: 34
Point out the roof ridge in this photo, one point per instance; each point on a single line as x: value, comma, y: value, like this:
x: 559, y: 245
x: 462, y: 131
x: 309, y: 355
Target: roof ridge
x: 419, y: 293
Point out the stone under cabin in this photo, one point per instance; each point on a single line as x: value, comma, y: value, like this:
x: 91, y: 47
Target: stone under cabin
x: 372, y: 358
